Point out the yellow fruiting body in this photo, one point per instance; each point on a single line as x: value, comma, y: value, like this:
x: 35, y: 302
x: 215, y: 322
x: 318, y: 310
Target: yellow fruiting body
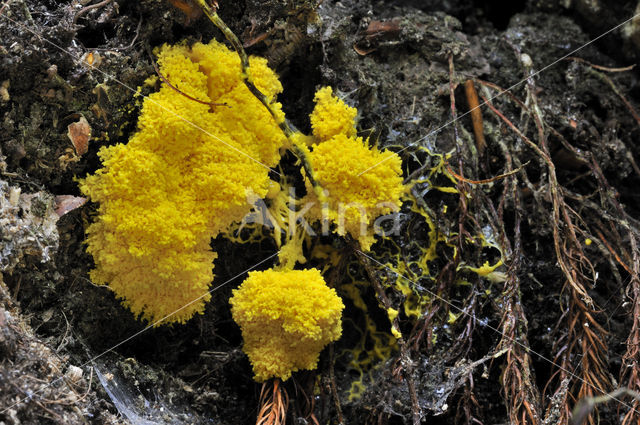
x: 359, y: 183
x: 287, y: 317
x: 177, y: 183
x: 331, y: 116
x: 355, y: 200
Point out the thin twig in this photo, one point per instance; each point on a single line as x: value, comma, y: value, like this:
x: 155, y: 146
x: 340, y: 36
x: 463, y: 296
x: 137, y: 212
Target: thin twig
x: 600, y: 67
x: 88, y: 8
x: 164, y: 80
x: 611, y: 84
x: 212, y: 14
x: 489, y: 180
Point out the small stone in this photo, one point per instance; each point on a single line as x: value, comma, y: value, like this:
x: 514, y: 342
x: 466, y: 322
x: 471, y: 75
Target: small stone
x: 4, y: 91
x: 14, y: 196
x: 74, y: 373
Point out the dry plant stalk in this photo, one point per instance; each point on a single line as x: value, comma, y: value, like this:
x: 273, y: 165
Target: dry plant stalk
x: 274, y: 403
x: 468, y: 403
x: 211, y: 11
x: 584, y: 337
x: 521, y: 394
x: 630, y: 370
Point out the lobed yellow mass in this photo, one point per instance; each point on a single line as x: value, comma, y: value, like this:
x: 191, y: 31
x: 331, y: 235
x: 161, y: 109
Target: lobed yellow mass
x: 331, y: 116
x: 184, y: 176
x: 360, y: 183
x: 287, y: 317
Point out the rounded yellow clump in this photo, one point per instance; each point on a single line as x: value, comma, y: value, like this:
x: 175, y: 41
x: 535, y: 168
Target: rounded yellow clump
x: 183, y: 177
x: 331, y: 116
x: 355, y: 200
x: 287, y: 317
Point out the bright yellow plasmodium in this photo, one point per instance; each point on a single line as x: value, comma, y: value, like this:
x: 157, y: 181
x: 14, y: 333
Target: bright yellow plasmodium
x: 183, y: 177
x: 287, y: 317
x: 360, y: 183
x: 331, y: 116
x: 354, y: 201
